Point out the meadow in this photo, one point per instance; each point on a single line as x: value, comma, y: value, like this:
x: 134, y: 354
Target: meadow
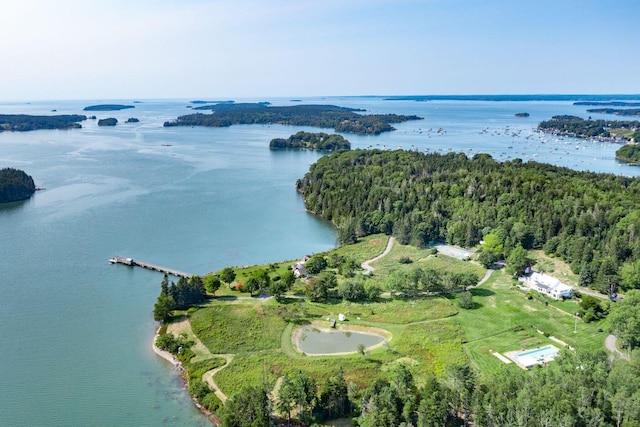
x: 427, y: 333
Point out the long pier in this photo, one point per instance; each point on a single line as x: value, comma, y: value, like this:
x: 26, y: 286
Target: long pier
x: 135, y: 263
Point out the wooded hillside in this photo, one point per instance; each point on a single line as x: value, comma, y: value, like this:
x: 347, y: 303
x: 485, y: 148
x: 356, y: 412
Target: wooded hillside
x: 590, y: 220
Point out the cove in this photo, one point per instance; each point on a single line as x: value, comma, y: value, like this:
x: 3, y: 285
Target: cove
x: 314, y: 340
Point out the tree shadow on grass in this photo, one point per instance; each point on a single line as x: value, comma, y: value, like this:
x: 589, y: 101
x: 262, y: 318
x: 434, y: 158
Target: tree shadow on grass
x: 482, y: 292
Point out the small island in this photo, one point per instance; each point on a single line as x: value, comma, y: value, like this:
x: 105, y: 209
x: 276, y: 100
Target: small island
x: 132, y: 120
x: 108, y: 107
x: 311, y: 141
x: 522, y: 114
x: 341, y: 119
x: 25, y: 122
x: 15, y: 185
x: 111, y: 121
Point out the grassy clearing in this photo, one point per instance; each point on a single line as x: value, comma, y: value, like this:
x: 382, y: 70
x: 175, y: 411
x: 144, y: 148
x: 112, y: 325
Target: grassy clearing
x: 403, y: 311
x: 506, y: 320
x: 238, y: 328
x: 421, y: 258
x: 367, y: 248
x: 554, y: 267
x: 428, y: 333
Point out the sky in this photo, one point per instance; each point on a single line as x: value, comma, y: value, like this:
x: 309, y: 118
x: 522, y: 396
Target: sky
x: 143, y: 49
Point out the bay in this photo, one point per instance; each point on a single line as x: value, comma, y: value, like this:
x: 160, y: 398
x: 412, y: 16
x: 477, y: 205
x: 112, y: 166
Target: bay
x: 76, y: 331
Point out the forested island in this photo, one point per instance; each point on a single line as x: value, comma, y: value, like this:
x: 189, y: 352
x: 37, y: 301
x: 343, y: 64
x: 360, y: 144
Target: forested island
x: 629, y: 153
x: 133, y: 120
x: 616, y: 111
x: 341, y: 119
x: 312, y: 141
x: 608, y: 103
x: 611, y: 130
x: 25, y: 122
x: 522, y: 114
x: 15, y: 185
x: 111, y: 121
x: 108, y: 107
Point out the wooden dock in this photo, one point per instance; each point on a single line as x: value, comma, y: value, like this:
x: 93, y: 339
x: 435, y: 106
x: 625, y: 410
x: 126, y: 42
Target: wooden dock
x: 135, y: 263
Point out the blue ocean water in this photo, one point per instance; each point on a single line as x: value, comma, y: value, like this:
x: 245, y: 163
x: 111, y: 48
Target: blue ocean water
x: 77, y: 332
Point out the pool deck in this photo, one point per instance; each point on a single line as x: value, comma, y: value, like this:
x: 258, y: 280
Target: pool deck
x: 525, y: 360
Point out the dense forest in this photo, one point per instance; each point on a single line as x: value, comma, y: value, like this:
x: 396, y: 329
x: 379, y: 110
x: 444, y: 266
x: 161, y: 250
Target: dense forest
x: 629, y: 153
x: 312, y: 141
x: 15, y: 185
x: 579, y: 127
x: 341, y: 119
x: 588, y: 219
x: 24, y: 122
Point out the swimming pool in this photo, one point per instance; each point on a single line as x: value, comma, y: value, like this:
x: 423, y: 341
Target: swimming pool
x: 532, y: 357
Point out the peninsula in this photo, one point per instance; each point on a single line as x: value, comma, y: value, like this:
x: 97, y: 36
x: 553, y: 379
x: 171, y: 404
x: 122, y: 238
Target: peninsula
x: 15, y: 185
x: 341, y: 119
x: 312, y: 141
x: 629, y: 153
x: 322, y: 339
x: 603, y: 130
x: 25, y: 122
x: 616, y: 111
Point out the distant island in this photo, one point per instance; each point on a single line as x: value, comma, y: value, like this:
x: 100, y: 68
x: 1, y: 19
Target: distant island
x: 199, y: 101
x: 132, y: 120
x: 15, y: 185
x: 24, y: 122
x: 341, y: 119
x: 616, y: 111
x: 604, y: 130
x: 111, y: 121
x: 108, y: 107
x: 311, y: 141
x: 522, y: 114
x: 609, y: 103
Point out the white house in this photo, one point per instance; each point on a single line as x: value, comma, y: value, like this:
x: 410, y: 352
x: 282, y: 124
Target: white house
x: 548, y: 285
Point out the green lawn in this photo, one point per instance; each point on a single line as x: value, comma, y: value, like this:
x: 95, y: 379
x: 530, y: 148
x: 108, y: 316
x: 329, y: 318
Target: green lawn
x: 428, y: 333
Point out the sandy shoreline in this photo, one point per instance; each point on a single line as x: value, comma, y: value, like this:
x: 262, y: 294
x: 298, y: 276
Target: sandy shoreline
x: 176, y: 364
x: 324, y: 326
x: 164, y: 354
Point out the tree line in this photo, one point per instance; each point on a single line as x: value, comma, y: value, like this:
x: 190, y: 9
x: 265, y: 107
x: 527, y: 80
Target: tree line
x: 578, y: 389
x: 587, y: 219
x: 15, y: 185
x: 341, y: 119
x: 25, y: 122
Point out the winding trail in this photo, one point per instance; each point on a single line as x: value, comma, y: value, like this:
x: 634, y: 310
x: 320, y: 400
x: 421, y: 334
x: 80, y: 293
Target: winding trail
x: 610, y: 344
x: 365, y: 265
x: 485, y: 278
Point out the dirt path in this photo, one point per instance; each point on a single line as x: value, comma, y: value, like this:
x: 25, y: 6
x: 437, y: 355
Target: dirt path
x: 208, y: 377
x: 202, y: 353
x: 486, y: 277
x: 365, y: 265
x: 610, y: 344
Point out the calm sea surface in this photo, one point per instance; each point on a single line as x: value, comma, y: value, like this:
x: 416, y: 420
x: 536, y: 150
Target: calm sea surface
x: 76, y: 332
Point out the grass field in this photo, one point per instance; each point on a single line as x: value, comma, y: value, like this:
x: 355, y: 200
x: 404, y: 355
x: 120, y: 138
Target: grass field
x: 428, y: 333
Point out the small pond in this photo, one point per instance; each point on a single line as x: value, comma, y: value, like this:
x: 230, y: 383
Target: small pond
x: 322, y: 341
